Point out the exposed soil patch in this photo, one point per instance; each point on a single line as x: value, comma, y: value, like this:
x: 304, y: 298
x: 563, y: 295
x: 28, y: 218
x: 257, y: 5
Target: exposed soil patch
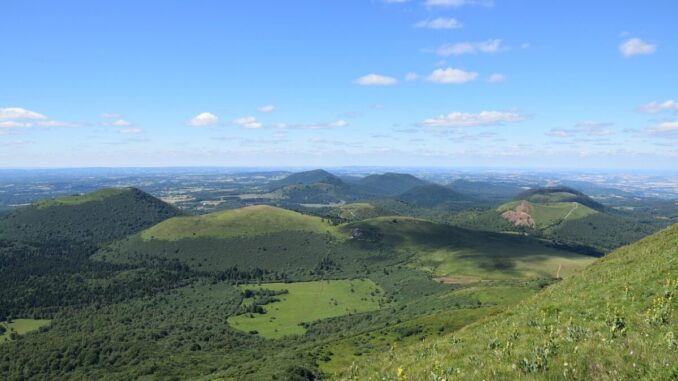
x: 519, y: 216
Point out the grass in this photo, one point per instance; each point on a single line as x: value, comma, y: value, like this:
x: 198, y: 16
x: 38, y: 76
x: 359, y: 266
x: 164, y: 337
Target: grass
x: 81, y: 199
x: 616, y: 320
x: 443, y: 250
x: 358, y: 211
x: 21, y: 326
x: 248, y: 221
x: 306, y: 302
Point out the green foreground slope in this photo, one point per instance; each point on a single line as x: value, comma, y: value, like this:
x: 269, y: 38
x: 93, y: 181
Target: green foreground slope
x: 614, y: 321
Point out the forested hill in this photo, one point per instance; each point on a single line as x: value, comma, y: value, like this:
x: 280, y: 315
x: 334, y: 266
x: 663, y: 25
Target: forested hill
x: 616, y: 320
x: 100, y: 216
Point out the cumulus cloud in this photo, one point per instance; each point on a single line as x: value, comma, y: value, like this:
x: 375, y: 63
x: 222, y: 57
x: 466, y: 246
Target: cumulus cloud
x: 460, y: 48
x: 247, y: 122
x: 266, y: 108
x: 667, y: 129
x: 203, y: 119
x: 19, y: 113
x: 439, y: 23
x: 318, y: 126
x: 376, y: 80
x: 496, y: 77
x: 451, y: 76
x: 636, y: 46
x: 483, y: 118
x: 54, y: 123
x: 120, y: 123
x: 14, y: 124
x: 655, y: 107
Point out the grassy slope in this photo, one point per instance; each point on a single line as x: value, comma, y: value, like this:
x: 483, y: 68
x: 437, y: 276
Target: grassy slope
x: 446, y: 251
x: 306, y: 302
x: 614, y: 321
x: 248, y: 221
x: 21, y: 326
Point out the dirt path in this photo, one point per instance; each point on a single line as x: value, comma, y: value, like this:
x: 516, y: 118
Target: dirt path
x: 576, y: 205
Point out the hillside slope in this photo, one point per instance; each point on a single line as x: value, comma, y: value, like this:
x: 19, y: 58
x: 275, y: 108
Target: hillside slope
x: 562, y: 215
x: 431, y: 196
x: 616, y: 320
x: 104, y: 215
x: 389, y: 184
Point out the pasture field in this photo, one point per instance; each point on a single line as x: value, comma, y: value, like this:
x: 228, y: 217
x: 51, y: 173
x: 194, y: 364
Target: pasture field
x: 307, y: 302
x: 21, y: 326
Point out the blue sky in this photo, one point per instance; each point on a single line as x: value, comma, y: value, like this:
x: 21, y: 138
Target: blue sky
x: 503, y: 83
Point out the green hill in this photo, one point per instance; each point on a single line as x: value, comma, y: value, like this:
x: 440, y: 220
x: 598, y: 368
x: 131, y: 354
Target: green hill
x: 616, y: 320
x: 558, y: 194
x: 431, y: 196
x: 389, y: 184
x: 104, y: 215
x: 307, y: 178
x: 486, y: 190
x: 248, y: 221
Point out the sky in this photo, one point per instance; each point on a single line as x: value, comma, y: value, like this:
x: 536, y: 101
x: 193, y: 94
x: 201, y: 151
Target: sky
x: 444, y: 83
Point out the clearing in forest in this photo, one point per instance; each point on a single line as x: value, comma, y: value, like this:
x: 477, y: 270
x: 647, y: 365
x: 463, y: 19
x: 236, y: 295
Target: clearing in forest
x: 306, y: 302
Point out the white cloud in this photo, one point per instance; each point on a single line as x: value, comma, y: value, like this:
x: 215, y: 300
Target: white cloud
x: 317, y: 126
x: 54, y: 123
x: 376, y: 79
x: 451, y: 76
x: 411, y: 76
x: 439, y: 23
x: 587, y: 128
x: 460, y: 48
x: 457, y: 3
x: 19, y: 113
x: 664, y: 129
x: 121, y: 123
x: 132, y: 130
x: 636, y: 46
x: 655, y: 107
x: 109, y: 115
x: 484, y: 118
x: 266, y: 108
x: 14, y: 124
x: 203, y: 119
x: 247, y: 122
x: 496, y: 77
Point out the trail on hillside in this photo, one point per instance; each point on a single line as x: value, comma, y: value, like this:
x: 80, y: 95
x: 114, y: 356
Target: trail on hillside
x: 576, y: 205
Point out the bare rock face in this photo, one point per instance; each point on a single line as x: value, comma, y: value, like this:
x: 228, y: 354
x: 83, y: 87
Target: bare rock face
x: 519, y: 216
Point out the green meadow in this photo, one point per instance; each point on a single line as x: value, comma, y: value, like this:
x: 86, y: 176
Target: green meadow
x: 20, y: 326
x: 306, y: 302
